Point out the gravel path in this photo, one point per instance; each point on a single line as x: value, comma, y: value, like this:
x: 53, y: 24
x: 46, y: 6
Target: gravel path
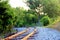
x: 47, y: 34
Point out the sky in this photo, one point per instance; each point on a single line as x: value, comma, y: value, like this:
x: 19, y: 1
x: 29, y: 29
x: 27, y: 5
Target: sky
x: 18, y: 3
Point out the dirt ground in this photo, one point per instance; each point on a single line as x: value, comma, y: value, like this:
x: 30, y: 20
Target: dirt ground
x: 56, y: 26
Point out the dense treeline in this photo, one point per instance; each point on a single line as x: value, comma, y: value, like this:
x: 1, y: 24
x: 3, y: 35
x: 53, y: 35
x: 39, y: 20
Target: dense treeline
x: 45, y: 11
x: 49, y: 8
x: 15, y: 17
x: 26, y: 18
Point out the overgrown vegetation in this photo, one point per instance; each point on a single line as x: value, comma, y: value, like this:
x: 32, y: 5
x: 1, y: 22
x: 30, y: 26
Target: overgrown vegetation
x: 15, y: 17
x: 51, y: 7
x: 18, y: 17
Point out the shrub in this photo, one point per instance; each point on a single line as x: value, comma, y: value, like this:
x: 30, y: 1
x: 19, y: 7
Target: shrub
x: 45, y: 20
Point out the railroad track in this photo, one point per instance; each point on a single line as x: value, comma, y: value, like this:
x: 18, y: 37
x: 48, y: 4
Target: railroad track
x: 23, y: 35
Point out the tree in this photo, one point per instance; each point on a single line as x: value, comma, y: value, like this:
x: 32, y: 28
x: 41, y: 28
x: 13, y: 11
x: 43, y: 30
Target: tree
x: 21, y: 13
x: 51, y: 7
x: 33, y: 3
x: 25, y: 18
x: 7, y: 17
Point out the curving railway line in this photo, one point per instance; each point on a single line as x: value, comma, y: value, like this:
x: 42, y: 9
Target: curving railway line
x: 23, y: 35
x: 38, y: 33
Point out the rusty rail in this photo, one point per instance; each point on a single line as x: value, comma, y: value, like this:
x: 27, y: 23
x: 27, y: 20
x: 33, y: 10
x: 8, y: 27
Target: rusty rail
x: 31, y: 34
x: 15, y: 35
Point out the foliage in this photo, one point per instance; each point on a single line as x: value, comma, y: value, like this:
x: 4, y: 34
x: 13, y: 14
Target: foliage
x: 33, y: 3
x: 26, y: 18
x: 21, y: 20
x: 51, y: 7
x: 31, y: 17
x: 7, y: 17
x: 45, y: 20
x: 18, y: 17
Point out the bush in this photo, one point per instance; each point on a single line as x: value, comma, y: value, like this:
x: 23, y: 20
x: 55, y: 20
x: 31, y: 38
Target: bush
x: 45, y: 20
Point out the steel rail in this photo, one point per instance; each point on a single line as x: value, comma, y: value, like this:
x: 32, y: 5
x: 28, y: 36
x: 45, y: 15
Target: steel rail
x: 17, y: 34
x: 31, y: 34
